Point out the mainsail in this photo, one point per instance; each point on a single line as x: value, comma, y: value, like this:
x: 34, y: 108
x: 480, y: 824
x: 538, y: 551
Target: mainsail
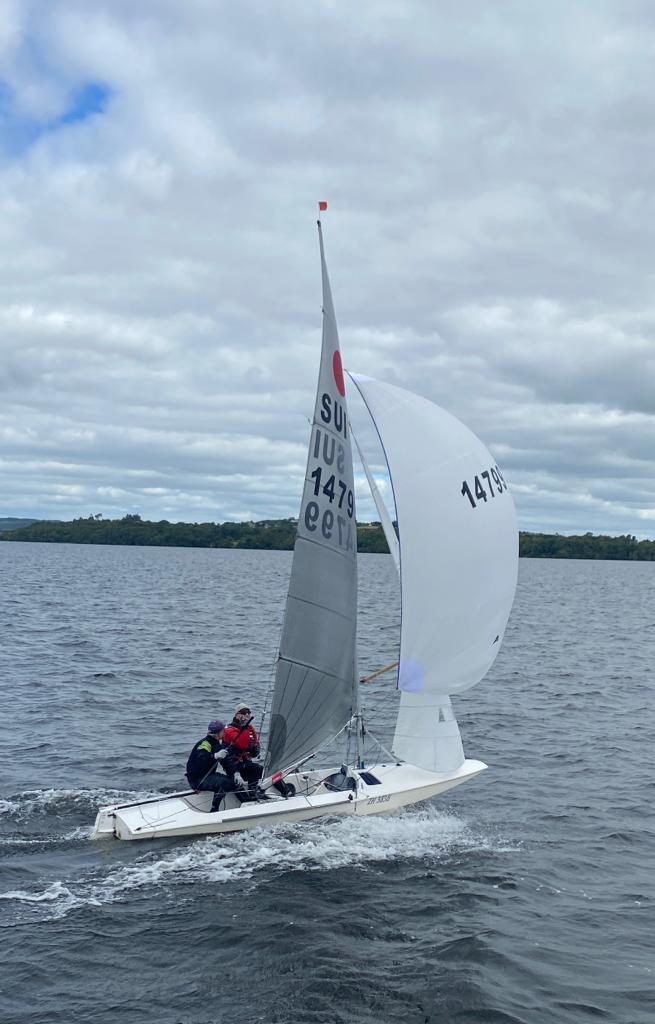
x: 315, y: 683
x: 458, y: 560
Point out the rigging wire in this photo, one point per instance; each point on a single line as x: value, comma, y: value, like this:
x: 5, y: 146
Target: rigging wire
x: 269, y: 693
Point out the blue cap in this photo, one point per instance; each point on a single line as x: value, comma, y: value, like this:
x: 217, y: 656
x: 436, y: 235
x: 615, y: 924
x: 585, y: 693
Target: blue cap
x: 216, y: 725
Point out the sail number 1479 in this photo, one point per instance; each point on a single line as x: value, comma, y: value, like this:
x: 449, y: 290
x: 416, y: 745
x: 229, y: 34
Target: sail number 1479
x: 478, y: 492
x: 342, y: 490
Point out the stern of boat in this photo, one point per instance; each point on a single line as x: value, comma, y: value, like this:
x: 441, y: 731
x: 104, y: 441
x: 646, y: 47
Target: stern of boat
x: 103, y: 827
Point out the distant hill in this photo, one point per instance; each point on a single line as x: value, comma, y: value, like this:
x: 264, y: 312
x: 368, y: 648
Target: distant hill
x: 280, y: 534
x: 15, y: 524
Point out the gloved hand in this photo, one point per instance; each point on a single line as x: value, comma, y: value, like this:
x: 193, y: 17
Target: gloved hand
x: 220, y: 755
x: 239, y: 781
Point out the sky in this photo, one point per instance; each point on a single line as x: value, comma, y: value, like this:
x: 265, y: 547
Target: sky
x: 489, y: 170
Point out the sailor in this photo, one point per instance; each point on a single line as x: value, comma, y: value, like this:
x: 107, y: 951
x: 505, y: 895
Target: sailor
x: 243, y: 742
x: 207, y: 756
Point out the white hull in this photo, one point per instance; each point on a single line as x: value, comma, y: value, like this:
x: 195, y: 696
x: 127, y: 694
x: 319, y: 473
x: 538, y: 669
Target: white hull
x: 189, y: 814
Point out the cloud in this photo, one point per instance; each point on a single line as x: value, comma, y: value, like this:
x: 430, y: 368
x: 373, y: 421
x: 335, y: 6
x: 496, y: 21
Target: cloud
x: 489, y: 238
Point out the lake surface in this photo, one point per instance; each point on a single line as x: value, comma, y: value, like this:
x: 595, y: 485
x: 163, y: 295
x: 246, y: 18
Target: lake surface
x: 526, y: 895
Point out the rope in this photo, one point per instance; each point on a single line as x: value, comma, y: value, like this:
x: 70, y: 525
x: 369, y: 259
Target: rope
x: 392, y: 757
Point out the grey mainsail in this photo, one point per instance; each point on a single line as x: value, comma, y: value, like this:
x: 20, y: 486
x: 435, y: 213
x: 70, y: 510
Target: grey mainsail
x: 315, y: 682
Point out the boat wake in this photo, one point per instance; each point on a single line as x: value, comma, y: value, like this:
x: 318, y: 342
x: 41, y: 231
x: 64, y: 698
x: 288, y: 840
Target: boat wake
x: 11, y: 841
x: 37, y: 818
x: 420, y: 833
x: 59, y: 802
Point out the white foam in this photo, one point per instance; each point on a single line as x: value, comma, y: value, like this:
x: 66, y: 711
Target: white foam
x: 53, y: 892
x: 19, y: 841
x: 60, y: 900
x: 421, y: 833
x: 46, y: 801
x: 312, y: 846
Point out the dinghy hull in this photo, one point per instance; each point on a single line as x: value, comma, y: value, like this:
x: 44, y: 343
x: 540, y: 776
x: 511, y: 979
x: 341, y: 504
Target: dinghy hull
x: 377, y: 789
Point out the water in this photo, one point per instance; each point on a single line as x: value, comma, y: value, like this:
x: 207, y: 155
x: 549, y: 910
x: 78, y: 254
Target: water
x: 524, y: 896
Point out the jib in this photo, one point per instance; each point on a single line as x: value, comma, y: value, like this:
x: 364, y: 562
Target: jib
x: 334, y: 413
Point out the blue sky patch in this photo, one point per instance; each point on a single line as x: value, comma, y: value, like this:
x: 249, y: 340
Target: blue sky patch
x: 91, y: 99
x: 19, y: 133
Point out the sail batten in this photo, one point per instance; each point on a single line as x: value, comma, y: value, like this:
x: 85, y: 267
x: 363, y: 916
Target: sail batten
x: 315, y: 682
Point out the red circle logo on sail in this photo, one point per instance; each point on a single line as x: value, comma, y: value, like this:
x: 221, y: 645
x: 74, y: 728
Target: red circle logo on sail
x: 337, y: 370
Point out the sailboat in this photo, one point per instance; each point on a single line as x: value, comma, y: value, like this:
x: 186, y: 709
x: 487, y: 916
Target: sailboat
x: 456, y: 552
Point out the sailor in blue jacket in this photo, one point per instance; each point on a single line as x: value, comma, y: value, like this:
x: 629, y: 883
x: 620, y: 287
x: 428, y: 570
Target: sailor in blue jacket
x: 207, y: 757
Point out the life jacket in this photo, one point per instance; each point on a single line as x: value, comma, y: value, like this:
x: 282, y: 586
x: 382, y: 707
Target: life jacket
x: 243, y: 741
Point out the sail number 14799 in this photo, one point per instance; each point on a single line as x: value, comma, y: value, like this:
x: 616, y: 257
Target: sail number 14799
x: 492, y: 476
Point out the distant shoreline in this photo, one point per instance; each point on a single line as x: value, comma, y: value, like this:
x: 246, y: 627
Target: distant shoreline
x: 280, y: 534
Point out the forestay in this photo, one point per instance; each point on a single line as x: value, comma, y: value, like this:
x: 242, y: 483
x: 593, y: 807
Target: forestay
x: 383, y: 512
x: 315, y: 682
x: 459, y: 563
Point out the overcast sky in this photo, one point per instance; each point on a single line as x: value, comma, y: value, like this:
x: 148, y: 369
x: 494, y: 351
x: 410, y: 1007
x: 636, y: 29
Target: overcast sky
x: 490, y: 173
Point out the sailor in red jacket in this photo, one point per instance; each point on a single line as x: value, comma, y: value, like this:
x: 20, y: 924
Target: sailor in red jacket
x: 243, y: 742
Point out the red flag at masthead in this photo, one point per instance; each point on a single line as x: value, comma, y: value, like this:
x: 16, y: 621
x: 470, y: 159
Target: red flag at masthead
x: 322, y: 205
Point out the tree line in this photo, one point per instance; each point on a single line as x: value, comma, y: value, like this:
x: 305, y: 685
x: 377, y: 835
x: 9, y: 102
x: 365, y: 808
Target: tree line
x: 588, y: 545
x: 280, y: 535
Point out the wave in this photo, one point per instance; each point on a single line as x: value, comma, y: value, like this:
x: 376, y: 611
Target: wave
x: 11, y: 841
x: 37, y: 802
x: 423, y: 834
x: 56, y: 893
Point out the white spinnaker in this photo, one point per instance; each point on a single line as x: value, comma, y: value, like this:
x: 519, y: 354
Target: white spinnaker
x: 459, y: 564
